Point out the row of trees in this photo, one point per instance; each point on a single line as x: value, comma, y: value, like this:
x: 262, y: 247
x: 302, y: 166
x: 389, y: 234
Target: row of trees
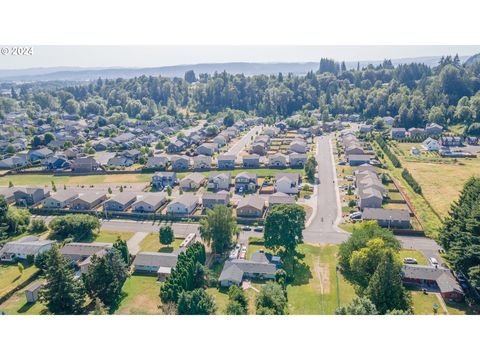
x: 386, y: 149
x: 411, y: 181
x: 13, y: 221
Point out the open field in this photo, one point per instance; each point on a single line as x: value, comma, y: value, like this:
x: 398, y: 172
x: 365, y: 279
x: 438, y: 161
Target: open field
x: 314, y: 290
x: 10, y: 277
x: 17, y: 305
x: 142, y: 296
x: 152, y: 243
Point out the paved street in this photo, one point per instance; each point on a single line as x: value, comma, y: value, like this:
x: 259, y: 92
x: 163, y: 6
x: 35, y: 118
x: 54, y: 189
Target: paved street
x: 237, y: 148
x: 323, y: 226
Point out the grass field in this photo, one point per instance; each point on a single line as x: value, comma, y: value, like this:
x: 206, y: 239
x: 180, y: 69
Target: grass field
x: 314, y: 290
x: 142, y: 296
x: 422, y: 260
x: 17, y: 305
x: 10, y: 277
x: 152, y: 243
x: 111, y: 236
x: 423, y: 303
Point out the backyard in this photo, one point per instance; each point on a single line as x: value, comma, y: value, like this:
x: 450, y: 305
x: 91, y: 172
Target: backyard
x: 10, y: 276
x: 17, y: 305
x: 142, y: 296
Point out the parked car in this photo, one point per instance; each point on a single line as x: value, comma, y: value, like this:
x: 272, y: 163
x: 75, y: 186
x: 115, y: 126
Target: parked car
x: 246, y: 228
x: 356, y: 215
x: 434, y: 261
x: 233, y: 254
x: 258, y: 229
x: 409, y: 260
x: 342, y: 163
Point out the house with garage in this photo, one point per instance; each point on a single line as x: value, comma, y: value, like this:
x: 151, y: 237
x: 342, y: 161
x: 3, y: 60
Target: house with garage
x: 220, y: 140
x: 246, y: 182
x: 176, y: 146
x: 207, y: 149
x: 183, y: 205
x: 357, y: 160
x: 29, y: 196
x: 369, y: 188
x: 13, y: 162
x: 39, y: 154
x: 237, y: 270
x: 157, y: 162
x: 451, y: 141
x: 251, y: 161
x: 60, y: 200
x: 88, y: 201
x: 117, y: 162
x: 297, y: 160
x: 416, y: 132
x: 209, y: 200
x: 226, y: 162
x: 431, y: 145
x: 298, y: 146
x: 433, y: 129
x: 280, y: 198
x: 180, y: 163
x: 219, y: 181
x: 251, y: 206
x: 149, y: 202
x: 202, y: 162
x: 163, y: 179
x: 84, y: 165
x: 398, y: 133
x: 8, y: 193
x: 354, y: 149
x: 277, y: 160
x: 438, y: 278
x: 80, y: 254
x: 388, y: 218
x: 258, y: 148
x: 193, y: 181
x: 287, y: 183
x: 23, y: 248
x: 157, y: 263
x: 120, y: 202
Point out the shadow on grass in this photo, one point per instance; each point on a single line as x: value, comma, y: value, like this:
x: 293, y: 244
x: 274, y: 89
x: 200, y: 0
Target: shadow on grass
x: 301, y: 271
x: 27, y: 306
x: 166, y: 249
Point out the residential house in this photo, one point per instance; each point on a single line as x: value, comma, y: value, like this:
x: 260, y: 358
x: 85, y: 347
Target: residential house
x: 56, y: 162
x: 163, y: 179
x: 433, y: 129
x: 388, y: 218
x: 23, y: 248
x: 277, y: 160
x: 120, y: 162
x: 120, y: 202
x: 416, y: 132
x: 183, y: 205
x: 209, y: 200
x: 88, y: 201
x: 39, y: 154
x: 84, y: 165
x: 298, y: 146
x: 354, y: 149
x: 226, y: 162
x: 369, y: 188
x: 297, y: 160
x: 398, y: 133
x: 220, y: 140
x: 388, y: 120
x: 202, y: 162
x: 245, y: 182
x: 219, y: 181
x: 287, y: 183
x: 13, y: 162
x: 251, y: 206
x: 472, y: 140
x: 451, y: 141
x: 157, y: 162
x: 29, y: 196
x: 80, y: 253
x: 431, y: 144
x: 237, y: 270
x: 207, y: 149
x: 251, y: 161
x: 180, y: 163
x: 176, y: 146
x: 8, y: 193
x: 158, y: 263
x: 433, y: 277
x: 280, y: 198
x: 365, y: 129
x: 149, y: 202
x: 59, y: 200
x: 192, y: 181
x: 258, y: 148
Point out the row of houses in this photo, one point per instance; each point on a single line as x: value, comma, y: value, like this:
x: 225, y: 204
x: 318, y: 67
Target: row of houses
x: 431, y: 129
x: 353, y: 149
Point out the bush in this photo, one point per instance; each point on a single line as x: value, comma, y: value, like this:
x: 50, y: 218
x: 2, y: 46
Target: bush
x: 38, y: 226
x: 78, y: 226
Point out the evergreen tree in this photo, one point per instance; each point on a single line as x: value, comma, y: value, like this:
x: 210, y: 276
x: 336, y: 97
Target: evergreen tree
x: 166, y: 235
x: 218, y: 228
x: 358, y: 306
x: 196, y: 302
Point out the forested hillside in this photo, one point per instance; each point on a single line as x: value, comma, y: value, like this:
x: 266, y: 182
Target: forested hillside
x: 415, y: 93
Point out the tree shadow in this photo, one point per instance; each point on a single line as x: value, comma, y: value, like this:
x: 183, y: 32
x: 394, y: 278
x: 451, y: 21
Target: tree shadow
x: 301, y: 271
x: 166, y: 249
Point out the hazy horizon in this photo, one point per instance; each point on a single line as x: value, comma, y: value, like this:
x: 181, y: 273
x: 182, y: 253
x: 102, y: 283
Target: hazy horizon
x: 160, y: 56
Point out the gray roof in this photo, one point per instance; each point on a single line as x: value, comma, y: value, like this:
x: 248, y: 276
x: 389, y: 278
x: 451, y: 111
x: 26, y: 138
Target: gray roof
x: 123, y: 198
x: 253, y: 201
x: 84, y: 249
x: 281, y: 198
x: 386, y: 214
x: 221, y: 195
x: 186, y: 199
x: 444, y: 278
x: 156, y: 259
x: 233, y: 270
x: 28, y: 245
x: 151, y: 198
x: 91, y: 197
x: 63, y: 196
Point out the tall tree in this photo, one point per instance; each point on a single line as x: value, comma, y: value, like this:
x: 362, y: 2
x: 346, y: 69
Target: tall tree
x: 358, y: 306
x: 271, y: 300
x: 311, y: 168
x: 218, y: 228
x: 238, y: 302
x: 166, y: 235
x: 196, y: 302
x: 63, y: 293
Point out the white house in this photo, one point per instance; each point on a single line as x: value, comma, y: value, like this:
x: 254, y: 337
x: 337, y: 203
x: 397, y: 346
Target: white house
x: 431, y: 145
x: 184, y: 205
x: 59, y: 200
x: 24, y: 247
x: 287, y: 183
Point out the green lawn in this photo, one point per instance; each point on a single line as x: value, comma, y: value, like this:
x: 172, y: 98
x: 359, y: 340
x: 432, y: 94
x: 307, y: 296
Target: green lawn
x: 423, y: 303
x: 422, y: 260
x: 142, y: 296
x: 314, y: 290
x: 10, y: 277
x: 152, y: 243
x: 17, y: 305
x: 111, y: 236
x: 255, y: 244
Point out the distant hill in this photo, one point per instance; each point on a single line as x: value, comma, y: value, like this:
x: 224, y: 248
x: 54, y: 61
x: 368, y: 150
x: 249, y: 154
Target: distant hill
x: 86, y: 74
x: 472, y: 60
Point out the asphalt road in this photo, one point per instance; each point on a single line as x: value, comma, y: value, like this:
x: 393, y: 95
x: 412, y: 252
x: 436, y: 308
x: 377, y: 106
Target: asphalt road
x: 244, y: 141
x: 323, y: 227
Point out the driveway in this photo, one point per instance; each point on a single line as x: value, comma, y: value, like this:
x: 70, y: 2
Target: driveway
x: 133, y: 243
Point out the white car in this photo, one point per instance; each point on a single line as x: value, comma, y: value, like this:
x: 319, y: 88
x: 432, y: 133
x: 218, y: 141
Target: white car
x: 356, y: 215
x: 434, y: 261
x: 409, y: 260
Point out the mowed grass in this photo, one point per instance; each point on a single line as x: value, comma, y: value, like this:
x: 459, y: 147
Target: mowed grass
x: 142, y: 296
x: 441, y: 183
x: 421, y: 259
x: 10, y: 276
x: 314, y: 290
x: 151, y: 243
x: 17, y: 305
x: 110, y: 236
x: 423, y: 303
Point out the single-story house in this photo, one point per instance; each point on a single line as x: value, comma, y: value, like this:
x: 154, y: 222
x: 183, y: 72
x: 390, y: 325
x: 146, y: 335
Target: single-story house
x: 120, y: 202
x: 451, y: 141
x: 149, y: 202
x: 157, y: 162
x: 192, y: 181
x: 180, y: 163
x: 287, y: 182
x: 59, y: 200
x: 39, y: 154
x: 398, y: 133
x: 156, y: 262
x: 183, y: 205
x: 258, y: 148
x: 88, y: 201
x: 389, y: 218
x: 29, y: 196
x: 354, y: 149
x: 22, y: 248
x: 357, y: 160
x: 8, y: 193
x: 431, y: 144
x: 226, y: 162
x: 163, y: 179
x: 416, y: 132
x: 209, y: 200
x: 251, y: 206
x: 431, y: 276
x: 298, y: 146
x: 81, y: 253
x: 219, y: 181
x: 220, y: 140
x: 433, y: 129
x: 364, y: 129
x: 235, y: 271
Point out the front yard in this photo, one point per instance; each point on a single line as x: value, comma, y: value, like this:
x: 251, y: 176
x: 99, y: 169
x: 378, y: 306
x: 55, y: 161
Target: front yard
x: 112, y: 236
x: 151, y: 243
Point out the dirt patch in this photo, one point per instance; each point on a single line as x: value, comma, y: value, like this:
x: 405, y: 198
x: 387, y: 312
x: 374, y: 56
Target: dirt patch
x: 322, y: 274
